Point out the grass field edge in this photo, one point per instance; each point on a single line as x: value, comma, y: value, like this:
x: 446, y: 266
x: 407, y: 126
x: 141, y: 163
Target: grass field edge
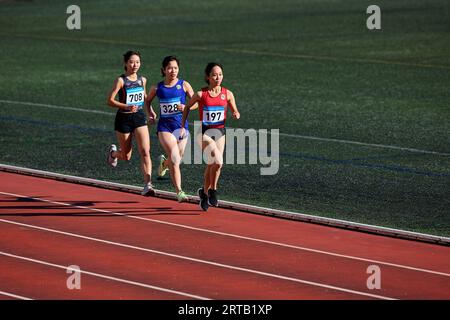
x: 344, y: 224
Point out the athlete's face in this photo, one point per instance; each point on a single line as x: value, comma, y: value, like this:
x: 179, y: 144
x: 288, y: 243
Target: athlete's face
x: 133, y: 64
x: 215, y: 76
x: 171, y: 70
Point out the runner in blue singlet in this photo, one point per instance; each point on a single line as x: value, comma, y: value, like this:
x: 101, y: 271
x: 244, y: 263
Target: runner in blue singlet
x: 171, y: 94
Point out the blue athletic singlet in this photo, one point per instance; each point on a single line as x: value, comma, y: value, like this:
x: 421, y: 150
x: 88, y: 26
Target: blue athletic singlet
x: 169, y: 100
x: 132, y: 92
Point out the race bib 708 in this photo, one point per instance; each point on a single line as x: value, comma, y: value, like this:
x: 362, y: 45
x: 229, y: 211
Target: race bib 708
x: 135, y: 96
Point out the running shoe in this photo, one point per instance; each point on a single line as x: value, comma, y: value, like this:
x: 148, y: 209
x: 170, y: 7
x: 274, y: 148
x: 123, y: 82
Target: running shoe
x: 110, y: 159
x: 203, y: 199
x: 212, y: 198
x: 181, y: 196
x: 162, y: 169
x: 148, y: 190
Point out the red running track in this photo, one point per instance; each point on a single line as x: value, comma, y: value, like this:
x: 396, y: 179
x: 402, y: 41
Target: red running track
x: 131, y: 247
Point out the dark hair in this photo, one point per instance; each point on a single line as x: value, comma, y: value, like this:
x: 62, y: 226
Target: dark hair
x: 166, y: 61
x: 209, y: 68
x: 127, y: 55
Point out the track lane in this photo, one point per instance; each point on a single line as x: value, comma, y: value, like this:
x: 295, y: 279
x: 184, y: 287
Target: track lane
x: 303, y: 235
x: 196, y: 242
x: 186, y: 276
x: 258, y: 257
x: 44, y: 282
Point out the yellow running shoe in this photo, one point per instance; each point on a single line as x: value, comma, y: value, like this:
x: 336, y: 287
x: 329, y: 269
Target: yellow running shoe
x: 181, y: 196
x: 162, y: 169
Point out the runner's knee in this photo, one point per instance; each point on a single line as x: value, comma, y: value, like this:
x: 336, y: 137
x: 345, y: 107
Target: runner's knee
x: 145, y: 153
x: 126, y: 156
x: 175, y: 158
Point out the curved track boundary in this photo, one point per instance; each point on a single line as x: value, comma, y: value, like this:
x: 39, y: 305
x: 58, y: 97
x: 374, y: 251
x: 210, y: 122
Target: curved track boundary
x: 238, y: 206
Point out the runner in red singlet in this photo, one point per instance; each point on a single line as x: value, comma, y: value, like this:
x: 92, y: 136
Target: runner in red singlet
x: 213, y: 102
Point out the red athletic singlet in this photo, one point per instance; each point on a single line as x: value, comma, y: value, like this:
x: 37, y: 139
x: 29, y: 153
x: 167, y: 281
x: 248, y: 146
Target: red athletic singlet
x: 213, y: 110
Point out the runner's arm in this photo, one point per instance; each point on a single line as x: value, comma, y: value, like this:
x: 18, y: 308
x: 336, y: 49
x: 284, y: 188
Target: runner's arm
x: 232, y: 104
x: 190, y: 92
x: 148, y: 103
x: 111, y: 101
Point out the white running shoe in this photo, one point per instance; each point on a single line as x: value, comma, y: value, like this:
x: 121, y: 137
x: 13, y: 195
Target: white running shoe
x: 162, y: 169
x: 110, y: 159
x: 148, y: 190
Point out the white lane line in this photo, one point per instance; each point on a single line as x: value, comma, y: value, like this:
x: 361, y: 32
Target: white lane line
x: 237, y: 236
x: 336, y: 59
x: 99, y: 275
x: 364, y: 144
x: 281, y: 134
x: 14, y: 295
x: 51, y: 106
x: 233, y: 50
x: 216, y: 264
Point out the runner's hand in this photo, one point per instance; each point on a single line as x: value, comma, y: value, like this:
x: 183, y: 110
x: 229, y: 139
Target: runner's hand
x: 133, y: 108
x: 152, y: 117
x: 182, y: 133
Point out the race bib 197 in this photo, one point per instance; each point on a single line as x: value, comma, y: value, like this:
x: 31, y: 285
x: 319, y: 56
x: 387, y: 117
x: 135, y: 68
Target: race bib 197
x: 135, y: 96
x: 213, y: 115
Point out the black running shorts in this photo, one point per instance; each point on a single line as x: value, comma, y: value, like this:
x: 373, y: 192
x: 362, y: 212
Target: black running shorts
x: 127, y: 122
x: 213, y: 132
